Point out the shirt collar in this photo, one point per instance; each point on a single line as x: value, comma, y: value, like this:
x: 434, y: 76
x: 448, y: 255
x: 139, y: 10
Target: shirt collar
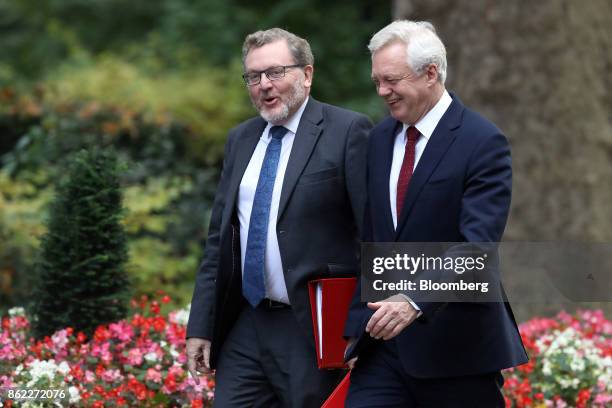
x: 292, y: 123
x: 428, y: 123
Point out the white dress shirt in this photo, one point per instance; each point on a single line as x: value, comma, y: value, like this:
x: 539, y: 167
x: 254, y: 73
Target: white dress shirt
x: 276, y: 288
x: 426, y: 127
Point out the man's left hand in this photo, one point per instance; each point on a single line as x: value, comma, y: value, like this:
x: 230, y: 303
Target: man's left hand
x: 392, y: 316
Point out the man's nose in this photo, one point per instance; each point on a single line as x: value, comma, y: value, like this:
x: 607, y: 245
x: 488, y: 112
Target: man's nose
x: 383, y: 90
x: 265, y: 83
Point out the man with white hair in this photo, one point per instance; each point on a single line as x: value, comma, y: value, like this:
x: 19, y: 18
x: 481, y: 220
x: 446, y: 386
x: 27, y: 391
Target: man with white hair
x: 437, y: 172
x: 287, y: 210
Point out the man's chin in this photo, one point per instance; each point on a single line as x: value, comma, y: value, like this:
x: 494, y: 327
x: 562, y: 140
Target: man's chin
x: 274, y: 116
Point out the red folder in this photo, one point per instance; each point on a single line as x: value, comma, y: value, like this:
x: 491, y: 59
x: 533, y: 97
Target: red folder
x: 337, y: 398
x: 329, y: 303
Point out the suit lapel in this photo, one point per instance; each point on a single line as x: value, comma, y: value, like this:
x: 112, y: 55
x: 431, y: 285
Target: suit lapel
x: 306, y: 138
x: 437, y: 146
x: 244, y: 150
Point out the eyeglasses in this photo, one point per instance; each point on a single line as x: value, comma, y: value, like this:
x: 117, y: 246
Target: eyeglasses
x: 273, y: 74
x: 388, y: 82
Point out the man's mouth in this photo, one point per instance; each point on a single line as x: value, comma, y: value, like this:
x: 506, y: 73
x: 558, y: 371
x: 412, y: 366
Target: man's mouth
x: 270, y: 100
x: 393, y: 101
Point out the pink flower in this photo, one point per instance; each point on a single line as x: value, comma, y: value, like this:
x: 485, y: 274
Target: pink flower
x: 111, y: 376
x: 60, y: 339
x: 153, y: 375
x: 603, y: 399
x: 103, y: 351
x: 121, y: 330
x: 90, y: 377
x: 134, y: 357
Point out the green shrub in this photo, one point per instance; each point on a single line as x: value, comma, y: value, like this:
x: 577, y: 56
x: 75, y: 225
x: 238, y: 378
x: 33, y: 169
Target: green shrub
x: 81, y: 280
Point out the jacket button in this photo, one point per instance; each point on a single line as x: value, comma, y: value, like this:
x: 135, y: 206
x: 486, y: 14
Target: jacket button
x: 282, y: 232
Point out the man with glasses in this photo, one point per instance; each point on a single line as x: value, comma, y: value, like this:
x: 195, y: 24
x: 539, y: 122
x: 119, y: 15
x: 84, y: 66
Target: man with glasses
x: 287, y: 211
x: 437, y: 172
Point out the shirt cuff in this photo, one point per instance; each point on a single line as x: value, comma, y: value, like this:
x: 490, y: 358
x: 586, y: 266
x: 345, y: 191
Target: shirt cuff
x: 412, y: 303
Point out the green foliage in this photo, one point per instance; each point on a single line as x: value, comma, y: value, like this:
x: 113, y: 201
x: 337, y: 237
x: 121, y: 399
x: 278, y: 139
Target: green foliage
x: 37, y: 37
x: 167, y: 192
x: 81, y: 280
x: 22, y: 207
x: 204, y: 100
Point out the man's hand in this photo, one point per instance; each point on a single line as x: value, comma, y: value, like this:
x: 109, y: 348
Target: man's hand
x: 352, y: 361
x: 392, y: 316
x: 198, y: 357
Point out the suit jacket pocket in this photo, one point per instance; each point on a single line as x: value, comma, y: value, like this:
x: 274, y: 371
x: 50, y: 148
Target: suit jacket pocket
x: 318, y: 176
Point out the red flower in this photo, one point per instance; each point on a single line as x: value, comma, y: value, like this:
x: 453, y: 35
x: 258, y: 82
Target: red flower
x: 527, y: 367
x: 170, y: 383
x: 154, y: 308
x: 102, y: 334
x: 98, y: 389
x: 77, y: 372
x: 159, y: 324
x: 165, y: 300
x: 81, y: 337
x: 584, y: 396
x: 137, y: 388
x: 100, y: 370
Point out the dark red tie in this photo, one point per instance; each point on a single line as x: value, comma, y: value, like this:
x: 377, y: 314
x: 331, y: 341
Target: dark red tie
x: 406, y: 170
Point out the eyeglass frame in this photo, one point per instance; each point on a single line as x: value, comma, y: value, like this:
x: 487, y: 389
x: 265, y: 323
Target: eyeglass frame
x: 388, y: 82
x: 285, y: 67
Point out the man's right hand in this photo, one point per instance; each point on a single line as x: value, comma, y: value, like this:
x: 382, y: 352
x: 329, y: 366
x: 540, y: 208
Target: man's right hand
x: 198, y: 357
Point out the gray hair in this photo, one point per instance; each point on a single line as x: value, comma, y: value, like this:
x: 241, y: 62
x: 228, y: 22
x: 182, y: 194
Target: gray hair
x: 299, y: 47
x: 423, y: 46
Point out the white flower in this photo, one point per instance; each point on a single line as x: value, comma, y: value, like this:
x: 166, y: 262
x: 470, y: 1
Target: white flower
x: 181, y: 316
x: 63, y: 368
x: 39, y: 369
x: 16, y: 311
x: 74, y: 395
x: 546, y: 370
x: 151, y: 357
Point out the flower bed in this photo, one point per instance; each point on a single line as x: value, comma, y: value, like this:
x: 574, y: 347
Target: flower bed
x: 570, y: 363
x: 140, y: 362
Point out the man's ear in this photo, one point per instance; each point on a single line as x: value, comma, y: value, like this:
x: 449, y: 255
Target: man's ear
x: 432, y: 74
x: 308, y: 72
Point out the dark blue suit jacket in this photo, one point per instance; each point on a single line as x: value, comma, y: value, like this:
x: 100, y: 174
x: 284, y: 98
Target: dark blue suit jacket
x: 459, y: 192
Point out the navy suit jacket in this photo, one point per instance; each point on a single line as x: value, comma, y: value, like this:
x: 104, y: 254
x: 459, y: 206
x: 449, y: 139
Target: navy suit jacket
x: 459, y: 192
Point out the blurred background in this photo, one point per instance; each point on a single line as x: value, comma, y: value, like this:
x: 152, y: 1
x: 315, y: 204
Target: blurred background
x: 160, y: 83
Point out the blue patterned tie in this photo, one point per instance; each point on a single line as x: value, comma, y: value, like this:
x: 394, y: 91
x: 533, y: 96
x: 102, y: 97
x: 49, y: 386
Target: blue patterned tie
x: 253, y: 282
